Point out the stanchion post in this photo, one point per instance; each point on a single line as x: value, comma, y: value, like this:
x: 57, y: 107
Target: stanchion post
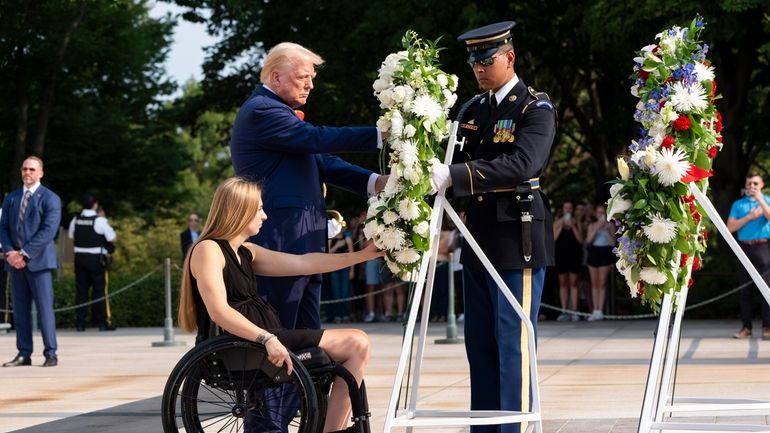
x: 168, y: 329
x: 451, y: 320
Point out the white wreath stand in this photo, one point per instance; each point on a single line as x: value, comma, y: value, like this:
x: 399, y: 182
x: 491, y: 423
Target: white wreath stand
x: 413, y: 417
x: 658, y: 397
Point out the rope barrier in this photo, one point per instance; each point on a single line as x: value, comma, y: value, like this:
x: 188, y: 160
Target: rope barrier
x: 105, y: 297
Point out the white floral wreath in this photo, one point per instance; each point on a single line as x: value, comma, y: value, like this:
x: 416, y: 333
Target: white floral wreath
x: 415, y: 96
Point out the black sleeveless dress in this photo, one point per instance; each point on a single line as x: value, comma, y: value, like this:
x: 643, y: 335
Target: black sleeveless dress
x: 242, y: 295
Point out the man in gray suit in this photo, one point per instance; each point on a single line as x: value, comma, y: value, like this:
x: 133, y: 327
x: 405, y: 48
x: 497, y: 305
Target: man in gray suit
x: 28, y: 226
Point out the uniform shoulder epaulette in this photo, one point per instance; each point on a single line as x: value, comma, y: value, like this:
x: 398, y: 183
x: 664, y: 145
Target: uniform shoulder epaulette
x: 539, y: 100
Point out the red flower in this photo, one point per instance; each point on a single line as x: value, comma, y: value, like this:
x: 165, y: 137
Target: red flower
x: 695, y: 173
x: 695, y: 263
x: 661, y: 104
x: 696, y: 216
x: 705, y: 234
x: 713, y: 151
x: 667, y: 142
x: 719, y: 138
x: 689, y: 199
x: 682, y: 123
x: 640, y: 288
x: 692, y: 207
x: 719, y: 122
x: 643, y: 74
x: 689, y: 282
x: 713, y: 90
x: 683, y: 262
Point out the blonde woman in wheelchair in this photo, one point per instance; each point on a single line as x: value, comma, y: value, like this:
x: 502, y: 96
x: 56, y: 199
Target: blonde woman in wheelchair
x: 219, y: 291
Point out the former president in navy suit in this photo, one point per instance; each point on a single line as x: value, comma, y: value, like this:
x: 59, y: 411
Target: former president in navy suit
x: 29, y: 223
x: 271, y: 143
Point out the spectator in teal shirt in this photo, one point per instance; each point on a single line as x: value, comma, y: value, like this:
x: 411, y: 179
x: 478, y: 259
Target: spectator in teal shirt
x: 749, y: 217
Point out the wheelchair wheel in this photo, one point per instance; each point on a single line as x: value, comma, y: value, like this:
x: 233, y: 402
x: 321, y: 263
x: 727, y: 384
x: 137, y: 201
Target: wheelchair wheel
x: 228, y: 384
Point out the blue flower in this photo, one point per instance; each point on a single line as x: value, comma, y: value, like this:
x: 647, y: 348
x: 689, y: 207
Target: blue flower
x: 699, y: 22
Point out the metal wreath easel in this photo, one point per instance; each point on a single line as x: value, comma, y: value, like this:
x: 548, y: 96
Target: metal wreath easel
x: 659, y: 400
x: 413, y: 417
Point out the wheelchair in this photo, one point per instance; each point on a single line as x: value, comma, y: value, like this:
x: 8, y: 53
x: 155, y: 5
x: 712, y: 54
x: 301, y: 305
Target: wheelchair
x: 227, y: 384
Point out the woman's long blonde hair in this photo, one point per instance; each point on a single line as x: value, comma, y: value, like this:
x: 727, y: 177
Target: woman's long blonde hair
x: 236, y: 201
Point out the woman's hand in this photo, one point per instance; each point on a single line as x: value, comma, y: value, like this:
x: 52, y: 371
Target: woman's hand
x: 278, y: 354
x: 371, y: 248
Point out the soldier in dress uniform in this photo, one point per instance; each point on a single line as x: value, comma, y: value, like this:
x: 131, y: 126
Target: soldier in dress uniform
x: 509, y: 130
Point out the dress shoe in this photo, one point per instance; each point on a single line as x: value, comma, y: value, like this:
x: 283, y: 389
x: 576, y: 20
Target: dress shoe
x: 18, y: 361
x: 107, y: 328
x: 51, y: 361
x: 743, y: 333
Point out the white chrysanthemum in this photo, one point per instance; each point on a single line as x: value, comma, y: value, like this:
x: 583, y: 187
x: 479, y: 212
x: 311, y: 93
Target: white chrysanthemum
x: 426, y: 107
x: 652, y: 276
x: 409, y: 131
x: 408, y: 209
x: 442, y: 80
x: 670, y: 166
x: 396, y: 124
x: 389, y: 217
x: 407, y: 255
x: 617, y: 205
x: 687, y: 98
x: 703, y: 72
x: 660, y: 230
x: 422, y: 229
x: 408, y: 153
x: 392, y: 238
x: 372, y: 229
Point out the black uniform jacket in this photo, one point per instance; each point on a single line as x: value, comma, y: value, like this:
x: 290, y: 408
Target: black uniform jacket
x: 504, y: 147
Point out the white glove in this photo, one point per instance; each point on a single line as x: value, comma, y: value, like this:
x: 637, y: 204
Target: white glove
x: 439, y: 177
x: 333, y: 228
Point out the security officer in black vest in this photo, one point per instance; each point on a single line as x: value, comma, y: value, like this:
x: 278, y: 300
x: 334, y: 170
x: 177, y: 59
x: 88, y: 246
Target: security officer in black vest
x: 93, y: 242
x: 509, y: 130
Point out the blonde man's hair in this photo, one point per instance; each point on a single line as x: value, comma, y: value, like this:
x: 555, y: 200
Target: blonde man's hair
x: 284, y: 55
x: 236, y: 201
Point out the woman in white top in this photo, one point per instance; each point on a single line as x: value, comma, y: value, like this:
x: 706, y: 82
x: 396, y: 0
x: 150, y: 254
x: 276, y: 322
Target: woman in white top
x: 601, y: 240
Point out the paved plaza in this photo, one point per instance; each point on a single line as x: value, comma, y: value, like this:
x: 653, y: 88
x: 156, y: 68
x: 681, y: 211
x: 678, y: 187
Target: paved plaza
x: 592, y: 376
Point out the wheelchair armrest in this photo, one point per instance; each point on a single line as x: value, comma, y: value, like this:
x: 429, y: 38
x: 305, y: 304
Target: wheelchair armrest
x: 313, y: 357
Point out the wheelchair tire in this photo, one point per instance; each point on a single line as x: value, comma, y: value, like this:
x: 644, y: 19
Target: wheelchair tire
x: 228, y: 384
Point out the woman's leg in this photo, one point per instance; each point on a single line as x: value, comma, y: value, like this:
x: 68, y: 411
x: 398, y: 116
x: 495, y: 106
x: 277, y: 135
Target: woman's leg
x: 601, y: 287
x: 350, y: 347
x: 597, y: 301
x: 573, y: 290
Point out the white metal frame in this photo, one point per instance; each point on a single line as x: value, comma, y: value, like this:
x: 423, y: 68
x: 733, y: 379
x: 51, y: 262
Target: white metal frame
x: 413, y: 417
x: 659, y: 401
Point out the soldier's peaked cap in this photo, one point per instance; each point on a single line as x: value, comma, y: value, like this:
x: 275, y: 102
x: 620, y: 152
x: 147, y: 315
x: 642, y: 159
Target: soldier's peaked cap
x: 484, y: 42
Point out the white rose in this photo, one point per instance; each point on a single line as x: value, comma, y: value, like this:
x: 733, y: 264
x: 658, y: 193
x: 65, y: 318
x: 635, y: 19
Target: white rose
x: 396, y: 124
x: 422, y: 229
x: 386, y: 98
x: 381, y: 84
x: 383, y: 124
x: 409, y: 131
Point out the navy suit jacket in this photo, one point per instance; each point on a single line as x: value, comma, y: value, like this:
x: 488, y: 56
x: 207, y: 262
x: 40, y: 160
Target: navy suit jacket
x: 41, y: 225
x: 270, y: 144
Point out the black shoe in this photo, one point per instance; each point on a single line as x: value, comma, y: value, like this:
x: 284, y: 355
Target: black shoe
x: 80, y: 328
x: 18, y: 361
x: 51, y: 361
x: 107, y: 328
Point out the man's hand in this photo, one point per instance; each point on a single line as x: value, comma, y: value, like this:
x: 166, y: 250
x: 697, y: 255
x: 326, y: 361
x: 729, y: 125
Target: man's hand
x: 439, y: 177
x: 16, y: 260
x: 379, y: 184
x: 755, y: 213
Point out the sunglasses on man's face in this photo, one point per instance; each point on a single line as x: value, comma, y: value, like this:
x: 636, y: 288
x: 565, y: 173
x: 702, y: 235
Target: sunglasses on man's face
x: 489, y: 61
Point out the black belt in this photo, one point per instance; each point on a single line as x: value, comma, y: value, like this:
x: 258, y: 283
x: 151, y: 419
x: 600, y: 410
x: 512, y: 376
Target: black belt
x: 754, y: 242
